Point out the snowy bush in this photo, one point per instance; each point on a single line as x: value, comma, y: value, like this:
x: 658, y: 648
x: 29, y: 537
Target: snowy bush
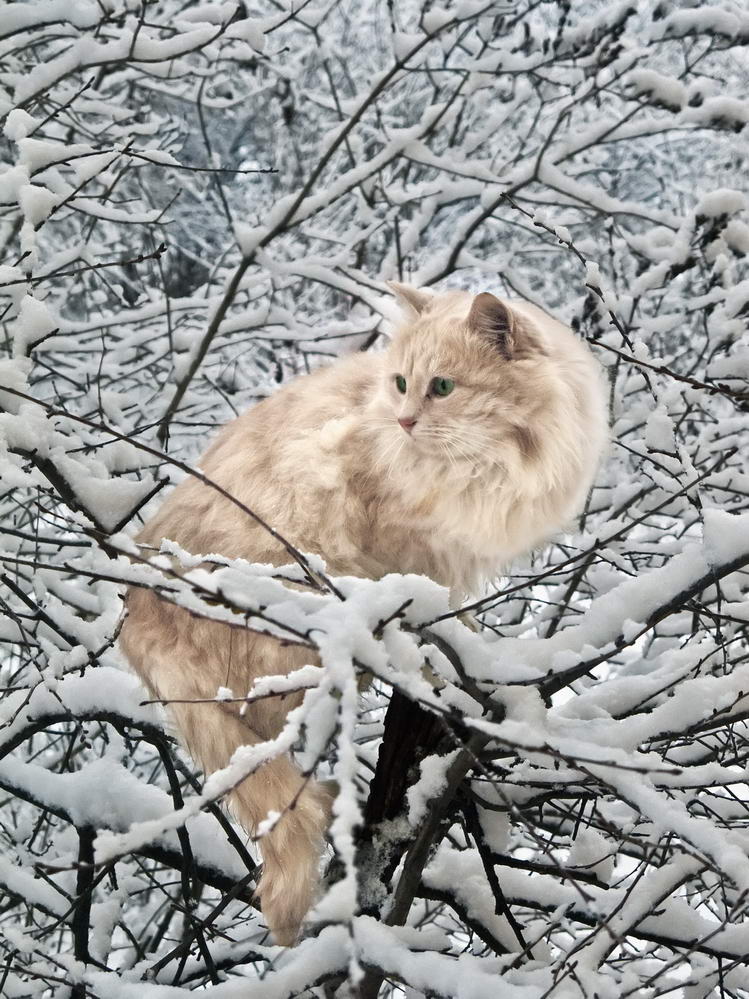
x: 201, y: 200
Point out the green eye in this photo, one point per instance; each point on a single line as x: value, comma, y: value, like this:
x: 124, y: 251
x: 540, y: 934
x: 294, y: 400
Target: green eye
x: 400, y: 384
x: 442, y: 386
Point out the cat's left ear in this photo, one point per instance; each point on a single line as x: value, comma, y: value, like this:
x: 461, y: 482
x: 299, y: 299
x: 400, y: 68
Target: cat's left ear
x: 494, y: 319
x: 413, y: 300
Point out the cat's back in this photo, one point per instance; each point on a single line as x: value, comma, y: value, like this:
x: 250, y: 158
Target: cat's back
x: 565, y: 347
x: 296, y: 420
x: 275, y: 458
x: 576, y: 371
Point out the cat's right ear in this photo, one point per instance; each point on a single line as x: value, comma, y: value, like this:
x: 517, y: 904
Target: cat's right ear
x: 412, y: 300
x: 493, y: 319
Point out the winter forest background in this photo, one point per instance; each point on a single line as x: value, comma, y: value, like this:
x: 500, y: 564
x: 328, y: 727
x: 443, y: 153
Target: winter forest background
x: 197, y: 202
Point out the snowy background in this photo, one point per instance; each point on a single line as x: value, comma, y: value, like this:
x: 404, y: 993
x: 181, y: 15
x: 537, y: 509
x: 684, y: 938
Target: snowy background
x: 197, y: 202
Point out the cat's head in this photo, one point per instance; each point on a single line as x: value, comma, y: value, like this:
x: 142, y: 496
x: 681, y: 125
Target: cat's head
x: 467, y: 380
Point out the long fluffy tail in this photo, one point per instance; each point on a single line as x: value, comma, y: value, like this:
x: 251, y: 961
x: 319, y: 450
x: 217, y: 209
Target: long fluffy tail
x: 292, y: 848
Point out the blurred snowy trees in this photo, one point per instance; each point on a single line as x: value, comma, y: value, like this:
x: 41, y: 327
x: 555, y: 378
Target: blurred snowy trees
x: 198, y: 201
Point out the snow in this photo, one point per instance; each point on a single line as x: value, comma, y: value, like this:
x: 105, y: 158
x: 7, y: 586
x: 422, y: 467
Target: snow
x: 405, y: 44
x: 92, y: 166
x: 161, y: 825
x: 33, y: 322
x: 465, y: 977
x: 635, y: 598
x: 107, y: 689
x: 37, y: 154
x: 736, y: 299
x: 18, y: 124
x: 13, y: 375
x: 250, y: 30
x: 78, y: 12
x: 108, y: 500
x: 432, y: 780
x: 38, y: 893
x: 436, y: 18
x: 102, y: 794
x: 721, y: 202
x: 249, y: 237
x: 722, y: 112
x: 726, y: 536
x: 712, y: 18
x: 591, y: 852
x: 666, y: 90
x: 36, y: 203
x: 12, y: 181
x: 659, y: 432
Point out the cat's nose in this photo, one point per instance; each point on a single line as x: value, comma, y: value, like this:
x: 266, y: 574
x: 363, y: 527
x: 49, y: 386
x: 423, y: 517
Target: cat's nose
x: 407, y: 422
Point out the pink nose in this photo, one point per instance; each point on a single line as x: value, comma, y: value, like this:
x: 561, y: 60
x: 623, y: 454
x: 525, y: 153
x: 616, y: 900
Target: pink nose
x: 407, y: 422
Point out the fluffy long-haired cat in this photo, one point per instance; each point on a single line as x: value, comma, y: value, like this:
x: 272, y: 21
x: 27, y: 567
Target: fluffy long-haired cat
x: 470, y: 439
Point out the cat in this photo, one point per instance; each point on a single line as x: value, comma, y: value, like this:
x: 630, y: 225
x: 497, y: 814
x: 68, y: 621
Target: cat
x: 466, y: 442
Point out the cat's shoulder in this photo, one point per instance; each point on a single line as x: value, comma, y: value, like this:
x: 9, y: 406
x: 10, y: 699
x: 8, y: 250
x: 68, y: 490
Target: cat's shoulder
x: 328, y: 395
x: 345, y: 383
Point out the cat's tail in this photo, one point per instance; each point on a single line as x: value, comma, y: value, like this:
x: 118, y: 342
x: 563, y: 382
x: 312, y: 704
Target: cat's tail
x: 292, y: 847
x: 299, y: 807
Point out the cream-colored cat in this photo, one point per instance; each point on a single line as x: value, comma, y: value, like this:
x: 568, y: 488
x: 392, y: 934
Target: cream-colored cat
x: 474, y: 436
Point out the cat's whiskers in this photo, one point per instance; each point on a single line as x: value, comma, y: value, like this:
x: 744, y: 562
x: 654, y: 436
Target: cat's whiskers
x: 388, y: 442
x: 478, y: 450
x: 445, y: 448
x: 471, y: 447
x: 467, y: 455
x: 477, y: 446
x: 389, y: 473
x: 456, y: 455
x: 436, y: 433
x: 483, y: 446
x: 470, y: 458
x: 467, y: 434
x: 392, y: 446
x: 379, y: 422
x: 451, y: 442
x: 467, y: 445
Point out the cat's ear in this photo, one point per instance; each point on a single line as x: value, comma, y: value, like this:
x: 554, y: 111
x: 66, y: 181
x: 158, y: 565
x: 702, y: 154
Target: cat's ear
x: 413, y: 300
x: 493, y: 319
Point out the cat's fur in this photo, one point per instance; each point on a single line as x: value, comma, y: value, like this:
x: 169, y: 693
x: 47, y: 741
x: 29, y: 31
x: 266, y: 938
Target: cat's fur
x: 486, y: 473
